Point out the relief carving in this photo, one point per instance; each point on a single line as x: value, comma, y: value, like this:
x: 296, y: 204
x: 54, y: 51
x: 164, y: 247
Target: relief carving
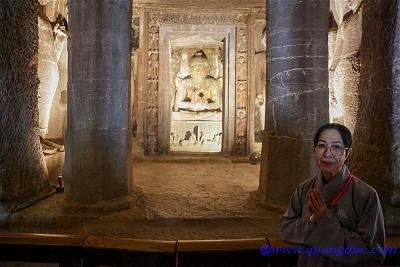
x: 241, y: 67
x: 241, y: 114
x: 260, y: 70
x: 197, y: 76
x: 135, y: 10
x: 195, y: 136
x: 197, y: 93
x: 135, y: 28
x: 152, y: 120
x: 157, y: 18
x: 52, y: 67
x: 260, y: 14
x: 153, y: 94
x: 241, y: 72
x: 242, y: 39
x: 152, y: 144
x: 241, y: 145
x: 153, y: 86
x: 153, y: 38
x: 153, y: 66
x: 241, y: 85
x: 241, y: 138
x: 241, y: 132
x: 241, y: 99
x: 344, y: 64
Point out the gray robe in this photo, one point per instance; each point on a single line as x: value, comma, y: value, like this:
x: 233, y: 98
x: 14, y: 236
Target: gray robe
x: 355, y: 221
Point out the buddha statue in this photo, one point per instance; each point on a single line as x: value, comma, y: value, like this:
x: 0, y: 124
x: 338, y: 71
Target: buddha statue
x: 52, y: 40
x: 199, y: 91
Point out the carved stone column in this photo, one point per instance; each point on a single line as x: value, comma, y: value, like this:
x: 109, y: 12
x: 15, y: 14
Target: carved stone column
x: 376, y: 138
x: 297, y: 102
x: 98, y: 135
x: 393, y: 224
x: 22, y: 168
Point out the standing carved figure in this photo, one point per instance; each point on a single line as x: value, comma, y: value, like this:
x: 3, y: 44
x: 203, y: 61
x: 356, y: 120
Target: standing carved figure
x: 345, y: 62
x: 261, y: 80
x: 52, y: 38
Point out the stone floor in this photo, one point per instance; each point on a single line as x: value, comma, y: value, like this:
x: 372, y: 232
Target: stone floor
x: 199, y: 198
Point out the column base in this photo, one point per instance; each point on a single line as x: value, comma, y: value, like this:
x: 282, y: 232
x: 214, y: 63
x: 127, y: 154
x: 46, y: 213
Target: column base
x: 259, y: 199
x: 98, y: 208
x: 392, y: 222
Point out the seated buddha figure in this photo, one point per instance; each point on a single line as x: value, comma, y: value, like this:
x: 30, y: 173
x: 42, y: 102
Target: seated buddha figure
x: 198, y: 91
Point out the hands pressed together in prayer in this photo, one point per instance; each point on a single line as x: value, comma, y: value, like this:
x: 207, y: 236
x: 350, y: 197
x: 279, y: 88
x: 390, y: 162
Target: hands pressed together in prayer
x: 316, y: 205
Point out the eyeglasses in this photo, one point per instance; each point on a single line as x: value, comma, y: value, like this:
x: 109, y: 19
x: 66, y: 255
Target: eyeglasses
x: 336, y: 150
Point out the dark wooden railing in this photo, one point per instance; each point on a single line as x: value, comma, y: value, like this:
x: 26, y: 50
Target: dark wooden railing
x: 76, y: 250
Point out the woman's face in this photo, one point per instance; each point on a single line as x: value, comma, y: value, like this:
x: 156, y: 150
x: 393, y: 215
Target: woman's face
x: 330, y: 152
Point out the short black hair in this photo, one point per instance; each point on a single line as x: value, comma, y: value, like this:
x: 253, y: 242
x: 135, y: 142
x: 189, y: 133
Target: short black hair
x: 343, y: 130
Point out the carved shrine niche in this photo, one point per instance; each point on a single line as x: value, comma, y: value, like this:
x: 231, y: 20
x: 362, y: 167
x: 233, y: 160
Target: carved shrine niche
x: 154, y: 18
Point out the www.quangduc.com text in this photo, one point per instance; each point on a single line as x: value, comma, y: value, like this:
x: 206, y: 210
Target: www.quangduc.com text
x: 266, y: 250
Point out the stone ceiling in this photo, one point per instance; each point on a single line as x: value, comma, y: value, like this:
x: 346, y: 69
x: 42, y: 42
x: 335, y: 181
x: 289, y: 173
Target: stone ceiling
x: 230, y: 3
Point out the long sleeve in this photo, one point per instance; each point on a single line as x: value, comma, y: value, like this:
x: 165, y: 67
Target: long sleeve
x: 369, y: 233
x: 295, y: 224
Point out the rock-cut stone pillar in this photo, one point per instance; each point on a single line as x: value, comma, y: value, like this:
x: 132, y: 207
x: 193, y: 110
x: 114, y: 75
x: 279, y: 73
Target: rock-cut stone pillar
x: 23, y: 173
x: 393, y: 213
x: 297, y: 102
x: 98, y: 136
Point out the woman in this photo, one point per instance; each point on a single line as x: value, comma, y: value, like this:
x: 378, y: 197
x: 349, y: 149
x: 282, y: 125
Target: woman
x: 335, y: 216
